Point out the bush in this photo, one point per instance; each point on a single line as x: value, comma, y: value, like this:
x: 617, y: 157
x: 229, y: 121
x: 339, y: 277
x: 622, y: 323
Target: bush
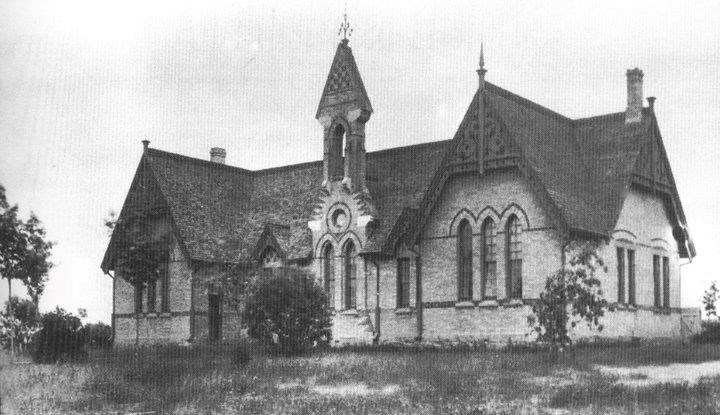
x: 288, y: 310
x: 61, y: 338
x: 98, y: 336
x: 23, y: 324
x: 710, y: 332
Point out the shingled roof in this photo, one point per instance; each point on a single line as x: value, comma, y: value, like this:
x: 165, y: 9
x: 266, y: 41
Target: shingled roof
x: 220, y: 211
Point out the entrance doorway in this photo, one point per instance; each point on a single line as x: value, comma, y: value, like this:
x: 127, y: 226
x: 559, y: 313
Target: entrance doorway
x: 214, y: 317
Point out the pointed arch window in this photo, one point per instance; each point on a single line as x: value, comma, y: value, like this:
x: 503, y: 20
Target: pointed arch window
x: 329, y: 273
x: 489, y: 260
x: 270, y: 258
x: 464, y: 250
x: 349, y: 274
x: 336, y: 162
x: 514, y: 258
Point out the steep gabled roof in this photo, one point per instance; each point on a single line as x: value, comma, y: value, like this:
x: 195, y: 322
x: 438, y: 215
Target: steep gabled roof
x: 581, y: 170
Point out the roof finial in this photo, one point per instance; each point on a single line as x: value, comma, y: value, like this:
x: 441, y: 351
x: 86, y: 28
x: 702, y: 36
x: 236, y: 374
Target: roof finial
x: 482, y: 56
x: 345, y: 28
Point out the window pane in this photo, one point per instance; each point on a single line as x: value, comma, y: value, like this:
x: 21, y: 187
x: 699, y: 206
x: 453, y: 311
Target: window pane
x: 514, y: 256
x: 403, y: 286
x: 656, y: 279
x: 350, y: 281
x: 165, y: 296
x: 631, y: 276
x: 464, y: 261
x: 138, y: 299
x: 666, y: 282
x: 490, y: 280
x: 329, y: 275
x: 151, y: 296
x: 621, y: 275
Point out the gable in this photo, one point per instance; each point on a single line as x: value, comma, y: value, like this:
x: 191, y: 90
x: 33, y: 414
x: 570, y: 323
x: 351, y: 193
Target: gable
x: 145, y: 198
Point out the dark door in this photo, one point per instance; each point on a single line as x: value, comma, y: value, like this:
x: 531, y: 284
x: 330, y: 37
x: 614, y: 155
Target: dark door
x: 214, y: 316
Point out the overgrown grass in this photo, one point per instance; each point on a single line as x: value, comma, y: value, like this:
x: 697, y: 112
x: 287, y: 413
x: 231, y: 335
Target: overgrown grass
x: 219, y: 379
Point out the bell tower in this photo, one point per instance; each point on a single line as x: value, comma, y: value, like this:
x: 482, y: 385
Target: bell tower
x: 343, y: 111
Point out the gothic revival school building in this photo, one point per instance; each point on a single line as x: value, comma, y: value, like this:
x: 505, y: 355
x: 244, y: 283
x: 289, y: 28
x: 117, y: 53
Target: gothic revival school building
x: 449, y: 240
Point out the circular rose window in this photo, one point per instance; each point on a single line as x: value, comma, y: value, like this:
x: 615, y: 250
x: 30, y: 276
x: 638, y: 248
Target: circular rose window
x: 339, y: 218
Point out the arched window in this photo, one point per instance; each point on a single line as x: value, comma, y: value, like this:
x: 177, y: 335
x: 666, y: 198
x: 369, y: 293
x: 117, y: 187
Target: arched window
x: 464, y: 250
x: 489, y: 258
x: 349, y: 275
x: 270, y: 258
x: 514, y: 258
x: 336, y: 163
x: 329, y: 274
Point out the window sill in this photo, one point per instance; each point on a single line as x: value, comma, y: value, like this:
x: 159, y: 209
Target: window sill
x: 165, y: 314
x: 151, y: 315
x: 464, y: 304
x: 403, y: 310
x: 349, y: 312
x: 488, y: 304
x: 513, y: 302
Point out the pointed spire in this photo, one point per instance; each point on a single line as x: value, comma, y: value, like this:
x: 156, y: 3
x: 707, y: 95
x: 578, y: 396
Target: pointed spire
x: 481, y: 71
x: 482, y: 57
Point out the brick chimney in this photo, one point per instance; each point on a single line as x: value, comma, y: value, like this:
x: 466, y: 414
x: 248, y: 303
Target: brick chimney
x: 633, y: 112
x: 217, y: 155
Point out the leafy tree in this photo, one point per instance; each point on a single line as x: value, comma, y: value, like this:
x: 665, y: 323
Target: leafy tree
x: 24, y: 252
x: 140, y: 253
x: 61, y: 338
x: 287, y: 309
x: 709, y: 299
x: 571, y: 295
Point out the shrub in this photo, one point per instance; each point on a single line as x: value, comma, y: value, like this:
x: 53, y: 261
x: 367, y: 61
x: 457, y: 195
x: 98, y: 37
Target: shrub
x: 23, y: 324
x: 288, y: 310
x: 60, y: 338
x: 710, y: 332
x: 98, y: 336
x: 572, y: 295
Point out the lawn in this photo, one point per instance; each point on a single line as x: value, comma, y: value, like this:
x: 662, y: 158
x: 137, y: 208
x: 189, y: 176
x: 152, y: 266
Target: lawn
x: 217, y: 379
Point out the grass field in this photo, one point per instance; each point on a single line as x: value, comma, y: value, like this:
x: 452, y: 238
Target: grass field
x: 217, y: 379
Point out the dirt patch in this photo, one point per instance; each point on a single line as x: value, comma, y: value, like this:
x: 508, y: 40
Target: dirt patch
x: 354, y: 389
x: 690, y: 373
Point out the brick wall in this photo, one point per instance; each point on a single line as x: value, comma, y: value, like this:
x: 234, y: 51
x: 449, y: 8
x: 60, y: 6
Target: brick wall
x: 496, y: 195
x: 157, y: 327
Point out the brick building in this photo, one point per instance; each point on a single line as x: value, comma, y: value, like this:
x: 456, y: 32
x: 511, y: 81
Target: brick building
x: 448, y: 240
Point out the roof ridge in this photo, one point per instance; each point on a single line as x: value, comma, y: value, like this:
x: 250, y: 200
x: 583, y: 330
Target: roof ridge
x: 598, y: 117
x: 418, y: 145
x: 526, y: 102
x: 196, y: 160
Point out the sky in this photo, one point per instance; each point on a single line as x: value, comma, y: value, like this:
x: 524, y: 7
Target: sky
x: 83, y: 82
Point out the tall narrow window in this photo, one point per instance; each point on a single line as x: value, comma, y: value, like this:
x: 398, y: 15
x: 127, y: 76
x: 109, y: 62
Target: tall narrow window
x: 489, y: 252
x: 464, y: 250
x: 151, y: 295
x: 138, y: 299
x: 621, y: 275
x: 656, y: 280
x: 336, y: 164
x: 165, y: 287
x: 350, y: 277
x: 329, y: 274
x: 666, y: 282
x: 514, y: 258
x: 631, y: 276
x: 403, y: 283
